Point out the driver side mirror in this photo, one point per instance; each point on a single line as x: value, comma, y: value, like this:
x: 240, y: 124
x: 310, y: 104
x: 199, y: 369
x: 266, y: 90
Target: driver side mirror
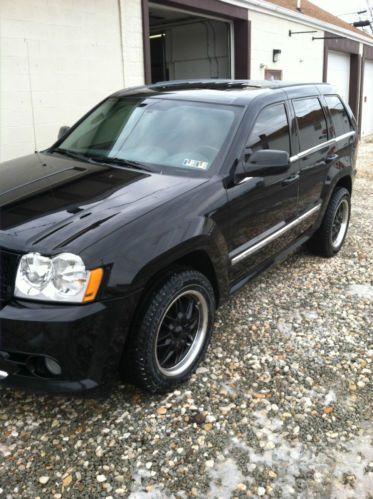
x: 62, y: 131
x: 263, y: 162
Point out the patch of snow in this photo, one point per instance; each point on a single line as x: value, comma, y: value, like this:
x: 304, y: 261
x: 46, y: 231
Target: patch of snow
x: 225, y: 476
x: 138, y: 491
x: 324, y: 471
x: 330, y: 398
x: 291, y: 460
x: 354, y: 462
x: 362, y: 290
x: 311, y: 315
x: 153, y: 494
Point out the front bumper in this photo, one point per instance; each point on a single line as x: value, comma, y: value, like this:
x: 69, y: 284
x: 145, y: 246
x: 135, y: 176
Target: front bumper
x: 86, y: 341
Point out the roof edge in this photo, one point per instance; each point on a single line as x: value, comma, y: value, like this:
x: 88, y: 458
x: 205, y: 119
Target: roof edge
x: 267, y: 8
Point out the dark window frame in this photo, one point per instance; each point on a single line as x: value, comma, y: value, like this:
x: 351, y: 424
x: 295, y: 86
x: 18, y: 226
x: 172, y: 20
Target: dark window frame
x: 345, y: 109
x: 309, y: 97
x: 288, y: 119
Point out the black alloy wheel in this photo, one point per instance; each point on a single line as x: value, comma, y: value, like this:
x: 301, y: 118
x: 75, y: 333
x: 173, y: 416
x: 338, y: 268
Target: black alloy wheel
x: 340, y: 223
x: 329, y: 238
x: 172, y: 332
x: 182, y: 332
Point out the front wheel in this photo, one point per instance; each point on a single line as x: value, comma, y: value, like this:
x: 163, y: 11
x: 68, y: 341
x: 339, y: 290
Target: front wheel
x: 172, y: 333
x: 329, y: 238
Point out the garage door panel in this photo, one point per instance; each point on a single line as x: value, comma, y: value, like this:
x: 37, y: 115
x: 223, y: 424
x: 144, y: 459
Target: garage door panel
x: 199, y: 49
x: 339, y: 72
x: 185, y: 41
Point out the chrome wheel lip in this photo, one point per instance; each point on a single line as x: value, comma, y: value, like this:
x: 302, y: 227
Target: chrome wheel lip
x: 199, y: 338
x: 344, y: 206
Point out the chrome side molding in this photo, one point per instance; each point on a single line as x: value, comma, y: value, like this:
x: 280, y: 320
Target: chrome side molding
x: 256, y: 247
x: 345, y: 135
x: 321, y: 146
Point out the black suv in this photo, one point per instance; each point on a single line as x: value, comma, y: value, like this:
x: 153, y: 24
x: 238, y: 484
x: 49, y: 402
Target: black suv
x: 118, y: 243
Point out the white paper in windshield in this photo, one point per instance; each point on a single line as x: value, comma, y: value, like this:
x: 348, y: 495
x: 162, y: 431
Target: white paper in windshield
x: 195, y: 163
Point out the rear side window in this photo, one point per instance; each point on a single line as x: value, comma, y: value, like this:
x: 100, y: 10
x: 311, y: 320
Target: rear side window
x: 341, y: 121
x: 311, y: 122
x: 271, y: 130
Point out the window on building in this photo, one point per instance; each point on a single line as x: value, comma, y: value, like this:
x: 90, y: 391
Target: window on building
x: 341, y: 121
x: 311, y: 122
x: 271, y: 130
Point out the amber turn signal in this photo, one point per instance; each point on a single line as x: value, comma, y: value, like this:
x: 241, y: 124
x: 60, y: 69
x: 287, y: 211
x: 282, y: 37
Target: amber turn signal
x: 94, y: 283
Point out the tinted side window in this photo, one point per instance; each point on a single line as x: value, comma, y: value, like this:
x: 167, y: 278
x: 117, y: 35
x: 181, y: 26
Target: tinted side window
x: 271, y: 130
x: 340, y: 118
x: 311, y: 122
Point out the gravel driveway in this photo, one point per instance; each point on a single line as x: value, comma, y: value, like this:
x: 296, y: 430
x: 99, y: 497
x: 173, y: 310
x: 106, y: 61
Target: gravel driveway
x: 282, y: 406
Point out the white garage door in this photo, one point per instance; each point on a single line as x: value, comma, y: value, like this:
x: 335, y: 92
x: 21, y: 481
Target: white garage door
x: 199, y: 49
x: 367, y: 117
x: 339, y: 72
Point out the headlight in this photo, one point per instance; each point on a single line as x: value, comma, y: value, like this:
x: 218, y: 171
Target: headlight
x: 62, y: 278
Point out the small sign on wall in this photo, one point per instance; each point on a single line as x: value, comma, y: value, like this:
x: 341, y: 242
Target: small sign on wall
x: 273, y: 74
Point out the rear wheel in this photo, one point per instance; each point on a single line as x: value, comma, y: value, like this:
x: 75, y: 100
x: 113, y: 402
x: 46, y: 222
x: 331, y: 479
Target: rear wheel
x: 329, y: 238
x: 172, y: 333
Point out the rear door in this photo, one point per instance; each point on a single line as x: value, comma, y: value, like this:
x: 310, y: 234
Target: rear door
x: 344, y: 132
x: 316, y: 151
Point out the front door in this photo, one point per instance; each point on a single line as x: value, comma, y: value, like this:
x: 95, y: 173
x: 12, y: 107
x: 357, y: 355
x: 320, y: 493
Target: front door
x: 260, y: 208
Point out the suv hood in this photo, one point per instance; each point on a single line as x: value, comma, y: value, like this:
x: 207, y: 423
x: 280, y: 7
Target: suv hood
x: 49, y: 203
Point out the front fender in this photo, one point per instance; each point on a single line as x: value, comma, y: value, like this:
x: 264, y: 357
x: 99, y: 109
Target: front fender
x: 212, y: 247
x: 150, y: 252
x: 164, y: 235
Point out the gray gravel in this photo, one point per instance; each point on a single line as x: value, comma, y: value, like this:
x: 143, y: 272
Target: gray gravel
x: 282, y: 406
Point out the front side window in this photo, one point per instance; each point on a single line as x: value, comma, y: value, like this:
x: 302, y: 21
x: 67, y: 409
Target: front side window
x: 340, y: 119
x: 311, y: 122
x: 271, y: 130
x: 159, y: 133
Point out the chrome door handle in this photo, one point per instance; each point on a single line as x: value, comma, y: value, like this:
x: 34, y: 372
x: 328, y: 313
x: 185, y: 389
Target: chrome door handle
x: 291, y: 179
x: 331, y: 158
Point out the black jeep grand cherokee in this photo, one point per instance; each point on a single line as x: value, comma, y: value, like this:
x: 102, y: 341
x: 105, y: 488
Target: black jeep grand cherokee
x: 118, y: 243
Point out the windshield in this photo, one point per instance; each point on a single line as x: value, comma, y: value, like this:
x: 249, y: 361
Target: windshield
x: 155, y: 132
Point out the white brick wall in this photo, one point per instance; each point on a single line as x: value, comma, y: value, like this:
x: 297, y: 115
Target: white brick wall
x: 132, y: 42
x: 301, y: 58
x: 75, y: 61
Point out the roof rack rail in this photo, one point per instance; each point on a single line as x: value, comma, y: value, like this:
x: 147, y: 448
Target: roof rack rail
x: 210, y: 83
x: 207, y: 81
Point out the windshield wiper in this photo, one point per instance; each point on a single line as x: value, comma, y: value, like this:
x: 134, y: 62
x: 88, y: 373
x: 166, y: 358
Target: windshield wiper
x: 100, y: 159
x: 122, y: 162
x: 71, y: 154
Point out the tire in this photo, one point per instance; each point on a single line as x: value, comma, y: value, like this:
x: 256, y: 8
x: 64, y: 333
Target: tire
x: 329, y: 238
x: 160, y: 329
